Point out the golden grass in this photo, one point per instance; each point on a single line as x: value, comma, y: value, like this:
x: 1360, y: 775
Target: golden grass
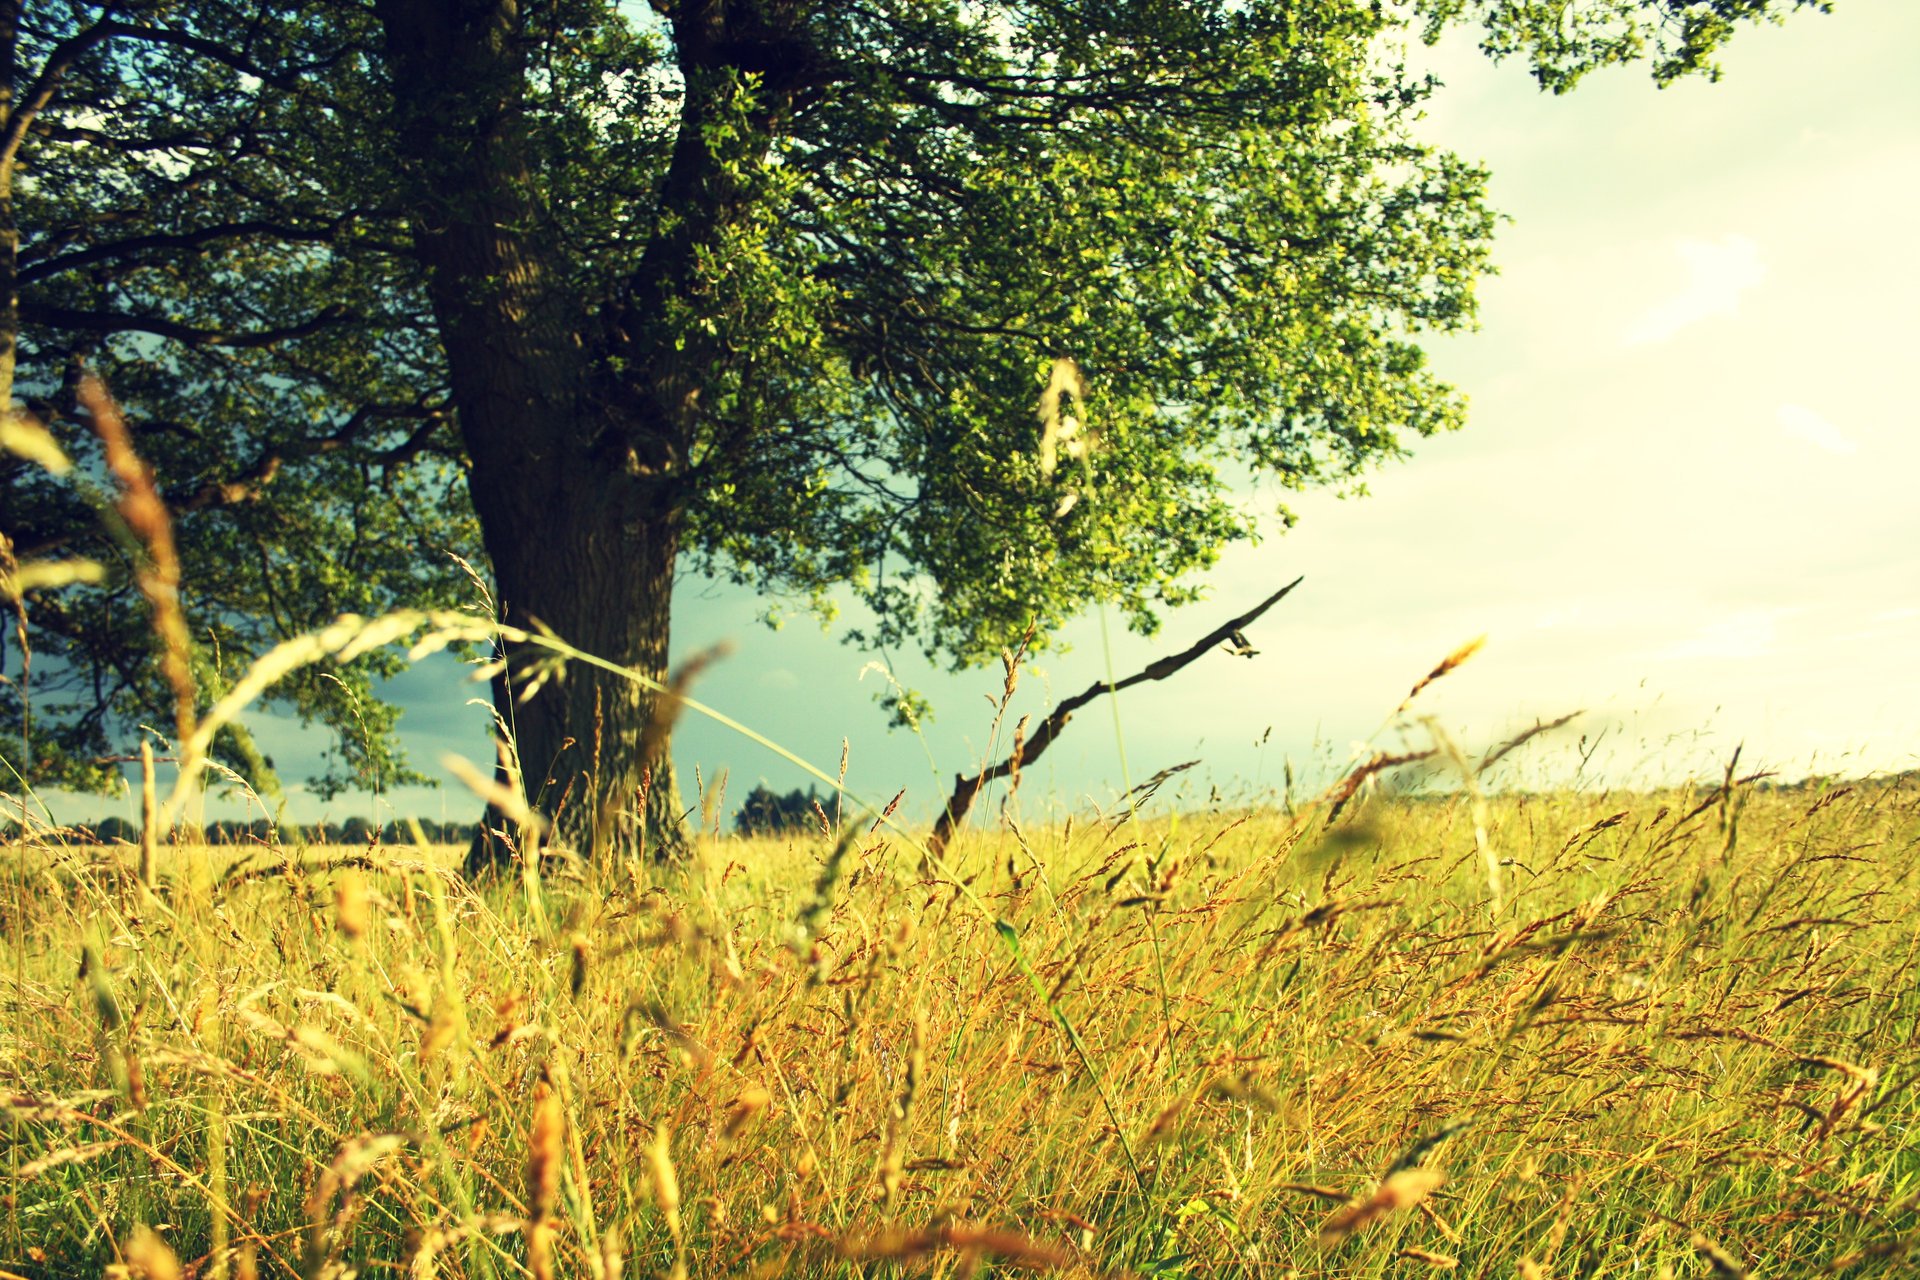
x: 1222, y: 1045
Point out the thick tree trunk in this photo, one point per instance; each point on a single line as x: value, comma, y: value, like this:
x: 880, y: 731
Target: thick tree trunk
x: 572, y: 466
x: 591, y: 745
x: 578, y: 397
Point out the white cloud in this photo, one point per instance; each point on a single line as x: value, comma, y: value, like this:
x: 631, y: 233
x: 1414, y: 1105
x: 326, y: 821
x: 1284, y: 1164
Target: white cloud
x: 1804, y: 424
x: 1718, y: 273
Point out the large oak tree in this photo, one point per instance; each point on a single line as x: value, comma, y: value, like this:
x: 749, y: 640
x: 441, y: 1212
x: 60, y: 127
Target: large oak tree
x: 763, y: 288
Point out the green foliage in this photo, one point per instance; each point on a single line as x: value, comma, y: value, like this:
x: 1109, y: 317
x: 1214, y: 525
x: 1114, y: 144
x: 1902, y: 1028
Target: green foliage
x: 201, y: 224
x: 906, y: 708
x: 804, y: 267
x: 1564, y: 40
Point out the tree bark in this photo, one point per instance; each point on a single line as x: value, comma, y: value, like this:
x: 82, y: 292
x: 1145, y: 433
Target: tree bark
x: 571, y: 467
x: 592, y: 745
x: 11, y: 132
x: 577, y: 412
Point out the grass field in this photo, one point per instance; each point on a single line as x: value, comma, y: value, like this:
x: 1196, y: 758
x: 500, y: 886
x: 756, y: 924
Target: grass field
x: 1683, y: 1042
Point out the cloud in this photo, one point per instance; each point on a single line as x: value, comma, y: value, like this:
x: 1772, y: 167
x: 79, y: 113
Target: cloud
x: 1804, y: 424
x: 1718, y: 273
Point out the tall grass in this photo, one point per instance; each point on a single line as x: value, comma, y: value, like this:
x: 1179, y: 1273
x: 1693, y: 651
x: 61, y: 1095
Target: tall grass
x: 1524, y: 1035
x: 1684, y: 1043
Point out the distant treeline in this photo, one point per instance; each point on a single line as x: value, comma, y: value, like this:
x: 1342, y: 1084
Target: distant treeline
x: 767, y: 813
x: 259, y: 831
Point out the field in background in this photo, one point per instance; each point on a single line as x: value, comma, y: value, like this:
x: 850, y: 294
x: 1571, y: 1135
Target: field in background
x: 1220, y: 1045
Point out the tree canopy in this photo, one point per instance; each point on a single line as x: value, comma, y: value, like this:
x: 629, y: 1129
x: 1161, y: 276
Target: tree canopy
x: 593, y: 295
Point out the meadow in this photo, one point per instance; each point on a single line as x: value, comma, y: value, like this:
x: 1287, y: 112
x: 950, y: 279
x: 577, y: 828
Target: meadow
x: 1568, y: 1034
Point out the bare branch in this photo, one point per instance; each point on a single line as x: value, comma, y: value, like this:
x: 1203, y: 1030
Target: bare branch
x: 112, y: 322
x: 134, y: 245
x: 965, y: 788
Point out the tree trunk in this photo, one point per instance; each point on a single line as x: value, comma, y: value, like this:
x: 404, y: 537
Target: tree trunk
x: 11, y: 135
x: 592, y: 748
x: 572, y: 465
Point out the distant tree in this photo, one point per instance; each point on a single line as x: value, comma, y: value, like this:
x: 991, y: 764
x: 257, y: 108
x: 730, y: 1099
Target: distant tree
x: 439, y: 832
x: 767, y: 288
x: 765, y: 812
x: 355, y: 830
x: 322, y: 832
x: 114, y: 830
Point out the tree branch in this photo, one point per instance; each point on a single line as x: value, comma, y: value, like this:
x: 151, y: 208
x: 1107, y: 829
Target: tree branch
x: 44, y: 86
x: 111, y: 322
x: 69, y: 51
x: 965, y: 788
x: 287, y: 82
x: 45, y: 267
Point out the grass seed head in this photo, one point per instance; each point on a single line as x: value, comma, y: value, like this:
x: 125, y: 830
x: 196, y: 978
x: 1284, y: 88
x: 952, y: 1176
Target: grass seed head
x: 151, y: 1257
x: 352, y: 905
x: 544, y: 1137
x: 1402, y: 1190
x: 1438, y: 1261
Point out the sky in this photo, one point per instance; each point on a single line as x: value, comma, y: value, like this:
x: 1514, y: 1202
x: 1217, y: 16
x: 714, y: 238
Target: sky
x: 1683, y: 503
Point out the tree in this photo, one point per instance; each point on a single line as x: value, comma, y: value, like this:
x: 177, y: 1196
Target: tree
x: 175, y: 214
x: 766, y: 812
x: 762, y: 288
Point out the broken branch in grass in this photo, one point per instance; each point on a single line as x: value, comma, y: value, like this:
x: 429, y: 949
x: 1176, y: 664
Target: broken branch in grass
x: 1025, y: 752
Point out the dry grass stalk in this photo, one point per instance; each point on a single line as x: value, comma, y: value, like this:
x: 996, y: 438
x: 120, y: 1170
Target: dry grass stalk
x: 668, y: 701
x: 893, y: 1153
x: 1518, y: 740
x: 1008, y: 1246
x: 1448, y: 664
x: 332, y: 1205
x: 747, y: 1104
x: 966, y: 787
x: 1060, y: 430
x: 145, y: 516
x: 1438, y: 1261
x: 1724, y: 1264
x: 1380, y: 762
x: 581, y: 962
x: 544, y: 1155
x: 1164, y: 1125
x: 246, y: 1259
x: 149, y: 817
x: 1640, y: 1058
x: 65, y: 1155
x: 1490, y: 862
x: 509, y: 799
x: 609, y: 1260
x: 1315, y: 1189
x: 26, y: 437
x: 352, y: 905
x: 151, y: 1257
x: 1402, y: 1190
x: 666, y: 1195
